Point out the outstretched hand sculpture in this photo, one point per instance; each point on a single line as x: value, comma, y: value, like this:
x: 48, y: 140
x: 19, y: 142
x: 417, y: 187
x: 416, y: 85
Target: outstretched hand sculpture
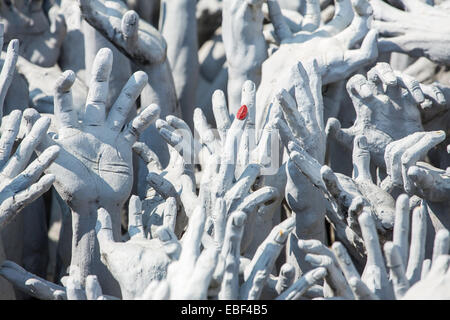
x: 94, y: 167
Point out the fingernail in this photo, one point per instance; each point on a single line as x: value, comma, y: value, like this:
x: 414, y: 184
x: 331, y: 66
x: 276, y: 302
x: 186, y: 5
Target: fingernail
x: 242, y: 112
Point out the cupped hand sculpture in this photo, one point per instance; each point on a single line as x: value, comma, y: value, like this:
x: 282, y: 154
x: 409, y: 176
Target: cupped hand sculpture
x: 94, y: 167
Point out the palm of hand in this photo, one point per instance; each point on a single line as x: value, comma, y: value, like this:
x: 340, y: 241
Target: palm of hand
x: 396, y: 115
x: 103, y: 158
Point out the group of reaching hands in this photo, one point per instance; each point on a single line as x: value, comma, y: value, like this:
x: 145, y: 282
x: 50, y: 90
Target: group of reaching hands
x: 246, y: 196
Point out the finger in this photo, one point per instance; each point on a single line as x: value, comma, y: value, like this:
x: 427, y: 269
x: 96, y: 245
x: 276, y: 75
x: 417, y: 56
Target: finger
x: 285, y: 278
x: 344, y: 261
x: 96, y: 100
x: 221, y: 115
x: 242, y: 187
x: 74, y: 290
x: 263, y: 196
x: 417, y: 248
x: 125, y: 101
x: 311, y: 19
x: 401, y: 227
x: 413, y: 86
x: 8, y: 69
x: 331, y: 182
x: 30, y: 283
x: 149, y: 157
x: 389, y: 29
x: 192, y: 237
x: 314, y: 77
x: 34, y: 170
x: 161, y: 185
x: 141, y: 122
x: 434, y: 93
x: 248, y: 97
x: 64, y: 111
x: 170, y: 213
x: 169, y: 241
x: 426, y: 266
x: 395, y: 264
x: 395, y: 44
x: 9, y: 134
x: 303, y: 95
x: 309, y: 166
x: 417, y: 152
x: 23, y: 153
x: 130, y: 27
x: 440, y: 267
x: 343, y: 136
x: 231, y: 253
x: 359, y: 27
x: 293, y: 118
x: 334, y: 278
x: 284, y: 131
x: 11, y: 206
x: 295, y: 291
x: 370, y: 236
x: 93, y: 289
x: 204, y: 131
x: 441, y: 243
x: 343, y: 15
x: 135, y: 225
x: 360, y: 290
x: 203, y: 272
x: 361, y: 159
x: 188, y: 194
x: 282, y: 30
x: 31, y: 116
x: 104, y: 231
x: 315, y: 247
x: 169, y: 134
x: 393, y: 154
x: 228, y: 160
x: 355, y: 59
x: 358, y: 87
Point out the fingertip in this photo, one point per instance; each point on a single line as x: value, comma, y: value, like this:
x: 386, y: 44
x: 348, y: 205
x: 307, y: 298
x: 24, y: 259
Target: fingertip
x: 130, y: 23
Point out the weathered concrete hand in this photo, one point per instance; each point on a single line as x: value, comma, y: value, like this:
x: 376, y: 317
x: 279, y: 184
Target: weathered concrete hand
x: 420, y: 30
x: 403, y: 165
x: 189, y: 276
x: 360, y: 192
x: 300, y: 122
x: 94, y: 167
x: 328, y: 44
x: 20, y: 186
x: 386, y: 106
x: 135, y: 263
x: 41, y: 41
x: 404, y: 258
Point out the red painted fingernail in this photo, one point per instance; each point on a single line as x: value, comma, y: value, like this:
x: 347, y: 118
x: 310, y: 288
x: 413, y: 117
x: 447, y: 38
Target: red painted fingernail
x: 242, y: 112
